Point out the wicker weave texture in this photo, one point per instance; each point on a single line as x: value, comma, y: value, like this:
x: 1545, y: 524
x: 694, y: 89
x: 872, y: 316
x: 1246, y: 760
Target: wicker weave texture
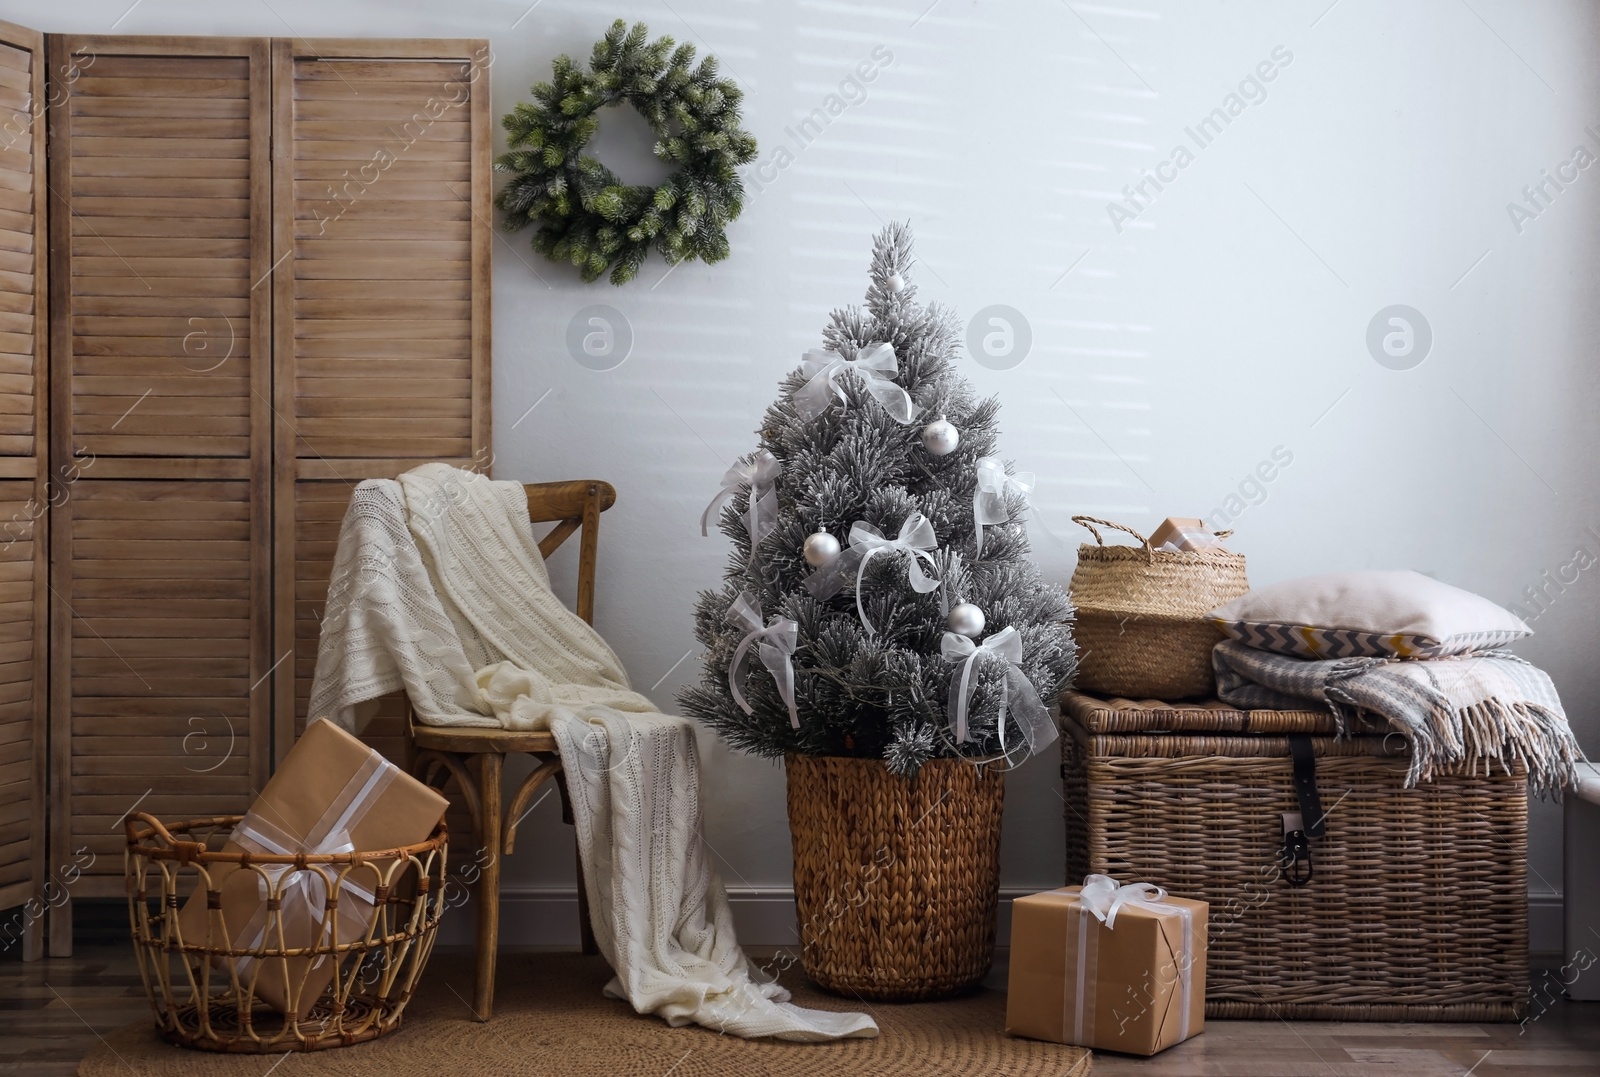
x: 1201, y: 716
x: 1128, y: 654
x: 1159, y: 584
x: 200, y: 996
x: 1417, y: 909
x: 896, y: 880
x: 1141, y: 626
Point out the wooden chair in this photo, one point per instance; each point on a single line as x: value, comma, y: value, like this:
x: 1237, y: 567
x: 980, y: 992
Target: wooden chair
x: 574, y: 507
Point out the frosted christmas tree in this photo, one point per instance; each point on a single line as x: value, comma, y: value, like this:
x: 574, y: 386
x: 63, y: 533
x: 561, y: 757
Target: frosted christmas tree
x: 879, y: 599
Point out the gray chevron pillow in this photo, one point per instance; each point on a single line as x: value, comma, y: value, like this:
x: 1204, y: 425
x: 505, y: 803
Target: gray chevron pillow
x: 1372, y: 613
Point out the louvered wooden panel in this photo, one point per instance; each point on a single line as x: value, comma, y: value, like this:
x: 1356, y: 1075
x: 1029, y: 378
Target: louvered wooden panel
x: 162, y: 149
x: 21, y: 681
x: 382, y: 230
x: 24, y: 399
x: 22, y: 247
x: 162, y: 656
x: 161, y: 317
x: 382, y: 195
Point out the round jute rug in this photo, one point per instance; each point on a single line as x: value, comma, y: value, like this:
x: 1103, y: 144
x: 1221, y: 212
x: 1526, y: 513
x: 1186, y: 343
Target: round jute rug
x: 551, y: 1019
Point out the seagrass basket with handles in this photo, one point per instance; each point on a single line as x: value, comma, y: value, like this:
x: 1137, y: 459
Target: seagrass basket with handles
x: 204, y: 986
x: 1141, y: 622
x: 896, y: 879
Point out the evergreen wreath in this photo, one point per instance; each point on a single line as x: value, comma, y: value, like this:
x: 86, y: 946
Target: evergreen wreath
x: 583, y: 211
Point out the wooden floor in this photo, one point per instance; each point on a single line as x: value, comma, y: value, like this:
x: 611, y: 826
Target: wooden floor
x: 1563, y: 1042
x: 52, y: 1011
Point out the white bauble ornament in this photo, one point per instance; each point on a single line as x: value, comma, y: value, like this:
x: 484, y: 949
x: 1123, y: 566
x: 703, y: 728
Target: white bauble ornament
x: 965, y: 619
x: 820, y: 550
x: 897, y: 283
x: 940, y: 437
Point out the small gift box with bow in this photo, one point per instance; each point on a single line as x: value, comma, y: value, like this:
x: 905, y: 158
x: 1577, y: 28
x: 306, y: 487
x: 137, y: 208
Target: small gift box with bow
x: 332, y: 794
x: 1114, y: 968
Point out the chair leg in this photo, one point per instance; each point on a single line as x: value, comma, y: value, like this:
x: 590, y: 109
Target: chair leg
x: 489, y: 883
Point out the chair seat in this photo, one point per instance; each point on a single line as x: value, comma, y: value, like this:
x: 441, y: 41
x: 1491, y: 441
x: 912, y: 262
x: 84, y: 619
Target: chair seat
x: 471, y: 739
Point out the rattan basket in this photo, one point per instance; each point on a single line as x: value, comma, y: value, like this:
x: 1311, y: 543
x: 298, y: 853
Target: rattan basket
x: 896, y: 880
x: 200, y: 997
x: 1140, y: 626
x: 1417, y: 907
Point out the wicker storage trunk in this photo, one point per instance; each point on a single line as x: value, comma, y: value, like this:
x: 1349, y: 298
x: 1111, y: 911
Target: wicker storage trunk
x: 1417, y: 909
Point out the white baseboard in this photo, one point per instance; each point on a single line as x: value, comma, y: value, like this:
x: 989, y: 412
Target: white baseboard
x: 531, y: 917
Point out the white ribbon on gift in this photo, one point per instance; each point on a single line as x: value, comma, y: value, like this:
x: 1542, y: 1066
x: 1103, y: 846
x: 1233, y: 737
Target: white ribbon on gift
x: 874, y: 364
x: 777, y: 643
x: 1101, y: 897
x: 1031, y: 715
x: 916, y: 538
x: 303, y: 901
x: 758, y: 475
x: 989, y: 498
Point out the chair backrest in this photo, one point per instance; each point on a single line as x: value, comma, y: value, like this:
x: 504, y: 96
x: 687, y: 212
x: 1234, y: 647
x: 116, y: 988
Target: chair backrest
x: 574, y: 507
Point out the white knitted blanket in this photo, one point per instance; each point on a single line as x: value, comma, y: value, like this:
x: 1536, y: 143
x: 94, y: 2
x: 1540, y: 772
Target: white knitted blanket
x: 438, y: 588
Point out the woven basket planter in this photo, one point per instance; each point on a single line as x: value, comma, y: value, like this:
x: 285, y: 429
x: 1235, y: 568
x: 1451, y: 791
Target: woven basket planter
x: 1417, y: 909
x: 896, y: 879
x: 1141, y: 624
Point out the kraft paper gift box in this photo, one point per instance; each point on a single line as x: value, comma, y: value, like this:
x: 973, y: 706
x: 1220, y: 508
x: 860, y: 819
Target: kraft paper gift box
x: 331, y: 794
x: 1121, y: 969
x: 1186, y: 533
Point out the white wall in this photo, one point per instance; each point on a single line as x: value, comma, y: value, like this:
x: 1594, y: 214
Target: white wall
x: 1228, y: 319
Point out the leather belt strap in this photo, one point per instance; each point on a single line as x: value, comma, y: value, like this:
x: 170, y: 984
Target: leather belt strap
x: 1305, y: 784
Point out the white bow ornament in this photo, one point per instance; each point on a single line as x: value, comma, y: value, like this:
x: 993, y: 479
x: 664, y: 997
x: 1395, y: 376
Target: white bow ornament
x: 758, y: 475
x: 916, y: 538
x: 1018, y: 699
x: 777, y: 638
x: 989, y: 498
x: 874, y: 364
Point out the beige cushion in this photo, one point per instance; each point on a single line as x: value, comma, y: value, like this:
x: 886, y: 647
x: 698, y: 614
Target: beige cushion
x: 1371, y: 613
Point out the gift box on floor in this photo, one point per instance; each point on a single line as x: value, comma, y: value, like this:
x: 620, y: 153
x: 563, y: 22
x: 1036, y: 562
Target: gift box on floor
x: 1108, y: 967
x: 1411, y: 905
x: 331, y: 794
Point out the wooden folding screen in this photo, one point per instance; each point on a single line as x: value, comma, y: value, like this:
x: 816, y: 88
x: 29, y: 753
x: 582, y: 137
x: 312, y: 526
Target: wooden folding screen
x: 267, y: 278
x: 382, y: 197
x: 23, y: 497
x: 161, y: 316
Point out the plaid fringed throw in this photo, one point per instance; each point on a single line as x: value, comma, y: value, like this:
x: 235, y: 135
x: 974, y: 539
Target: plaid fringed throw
x: 1486, y: 705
